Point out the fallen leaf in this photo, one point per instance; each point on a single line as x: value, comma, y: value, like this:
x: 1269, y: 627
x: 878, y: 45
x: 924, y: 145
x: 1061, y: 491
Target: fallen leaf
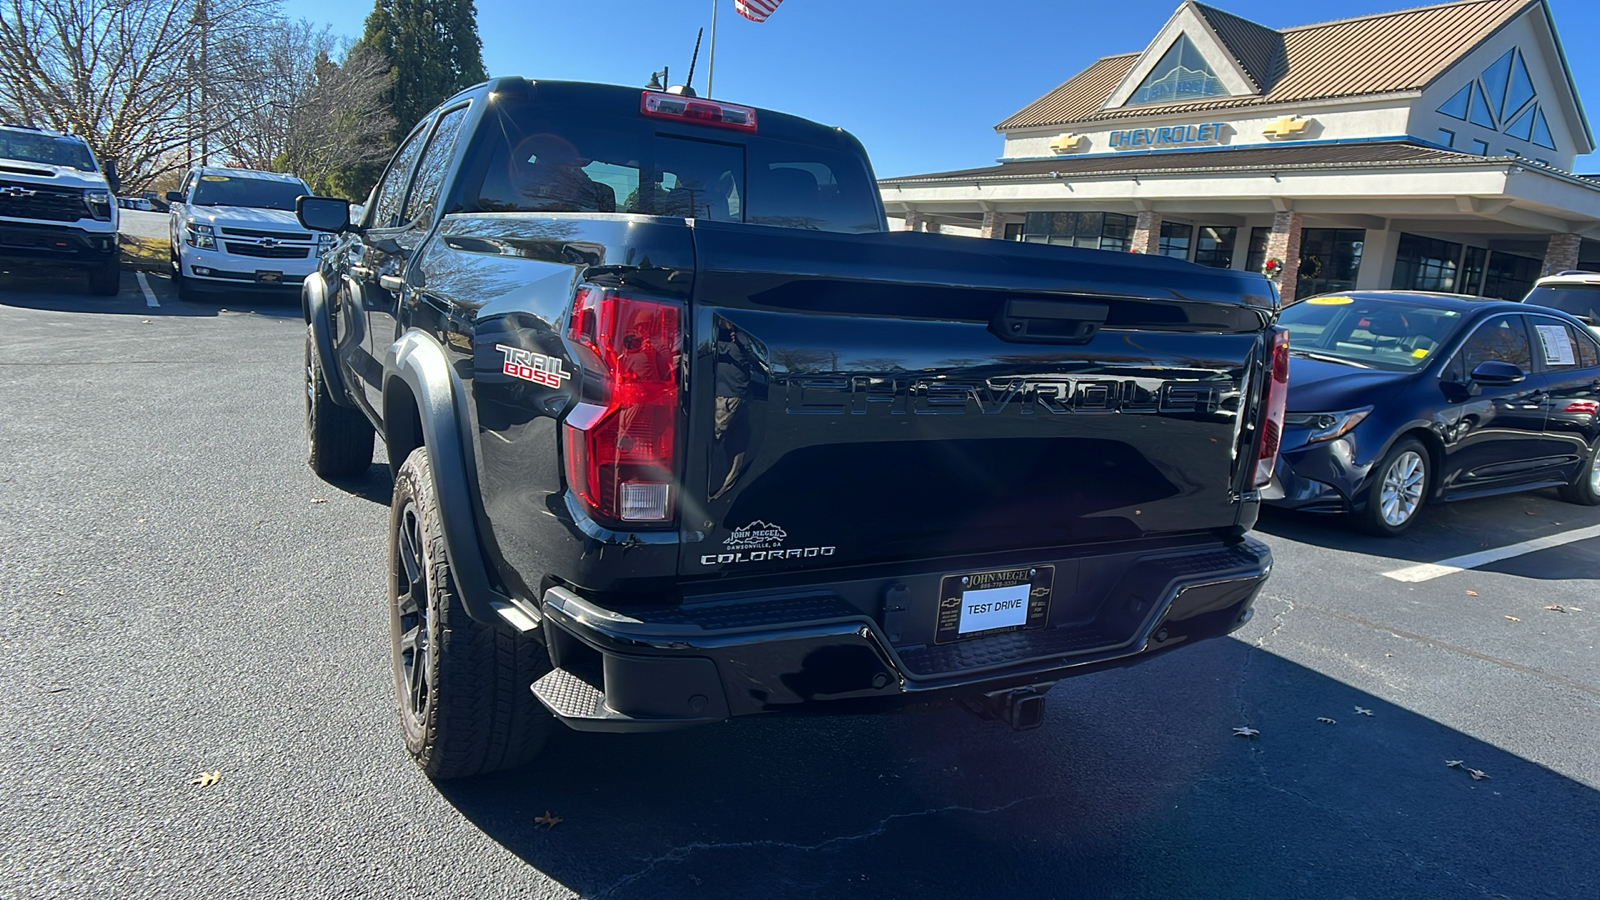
x: 1363, y: 711
x: 1472, y: 593
x: 1527, y: 512
x: 1246, y: 731
x: 55, y: 690
x: 547, y: 820
x: 206, y: 779
x: 59, y: 593
x: 1453, y: 763
x: 319, y: 500
x: 1477, y: 774
x: 1557, y: 607
x: 1514, y: 618
x: 1327, y: 721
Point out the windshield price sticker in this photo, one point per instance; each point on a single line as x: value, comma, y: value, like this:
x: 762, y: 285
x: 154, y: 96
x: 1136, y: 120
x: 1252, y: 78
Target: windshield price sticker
x: 1557, y: 345
x: 993, y: 602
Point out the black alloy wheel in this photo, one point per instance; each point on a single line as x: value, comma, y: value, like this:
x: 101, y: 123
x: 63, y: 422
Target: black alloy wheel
x: 338, y: 438
x: 410, y: 615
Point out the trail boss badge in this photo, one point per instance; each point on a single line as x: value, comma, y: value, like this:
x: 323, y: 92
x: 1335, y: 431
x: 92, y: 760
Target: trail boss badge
x: 535, y: 367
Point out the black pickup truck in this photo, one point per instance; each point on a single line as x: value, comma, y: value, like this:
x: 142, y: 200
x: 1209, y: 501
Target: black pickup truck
x: 681, y: 432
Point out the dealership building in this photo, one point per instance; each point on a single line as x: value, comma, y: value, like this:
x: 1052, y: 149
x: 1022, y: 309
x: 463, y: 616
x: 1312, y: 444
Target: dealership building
x: 1427, y: 149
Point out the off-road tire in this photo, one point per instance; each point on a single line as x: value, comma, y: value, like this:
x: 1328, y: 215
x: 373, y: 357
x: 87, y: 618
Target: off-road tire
x: 478, y: 714
x: 1584, y: 490
x: 338, y: 438
x: 1371, y: 518
x: 105, y: 280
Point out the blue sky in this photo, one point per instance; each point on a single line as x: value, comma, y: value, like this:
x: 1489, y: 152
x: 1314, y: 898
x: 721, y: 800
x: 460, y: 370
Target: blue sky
x: 921, y: 83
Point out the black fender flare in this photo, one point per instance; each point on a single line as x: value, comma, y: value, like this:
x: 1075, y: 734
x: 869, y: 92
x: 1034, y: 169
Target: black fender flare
x: 420, y: 362
x: 314, y: 307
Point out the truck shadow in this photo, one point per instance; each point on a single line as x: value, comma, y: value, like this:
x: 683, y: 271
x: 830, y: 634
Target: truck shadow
x: 1135, y: 787
x: 1448, y: 530
x: 66, y: 290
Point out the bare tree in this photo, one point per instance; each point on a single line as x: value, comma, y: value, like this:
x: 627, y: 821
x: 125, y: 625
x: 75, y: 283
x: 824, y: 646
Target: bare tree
x: 134, y: 77
x: 294, y: 108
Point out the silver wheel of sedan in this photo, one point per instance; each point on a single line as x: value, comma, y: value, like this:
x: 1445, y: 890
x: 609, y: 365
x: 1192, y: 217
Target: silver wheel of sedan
x: 1403, y: 483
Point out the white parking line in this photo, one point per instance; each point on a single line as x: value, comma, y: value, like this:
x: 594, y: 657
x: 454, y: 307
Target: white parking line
x: 149, y: 295
x: 1430, y: 571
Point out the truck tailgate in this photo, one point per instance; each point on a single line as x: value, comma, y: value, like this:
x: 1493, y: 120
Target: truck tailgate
x: 875, y: 398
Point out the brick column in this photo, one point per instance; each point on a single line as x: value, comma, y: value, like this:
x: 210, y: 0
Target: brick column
x: 994, y: 224
x: 913, y: 220
x: 1146, y: 233
x: 1561, y: 253
x: 1284, y: 244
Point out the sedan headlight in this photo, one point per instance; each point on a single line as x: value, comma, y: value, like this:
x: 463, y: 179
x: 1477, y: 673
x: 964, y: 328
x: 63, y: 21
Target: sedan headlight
x: 99, y: 204
x: 202, y: 236
x: 1326, y: 426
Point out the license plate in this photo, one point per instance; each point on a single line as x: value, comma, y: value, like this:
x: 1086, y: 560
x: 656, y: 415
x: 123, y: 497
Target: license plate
x: 984, y: 603
x: 269, y: 277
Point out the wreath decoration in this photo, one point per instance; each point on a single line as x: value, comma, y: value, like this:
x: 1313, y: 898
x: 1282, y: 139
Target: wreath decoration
x: 1311, y: 267
x: 1272, y: 268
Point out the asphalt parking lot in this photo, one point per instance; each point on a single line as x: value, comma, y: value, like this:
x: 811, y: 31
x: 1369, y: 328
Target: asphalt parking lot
x: 181, y: 595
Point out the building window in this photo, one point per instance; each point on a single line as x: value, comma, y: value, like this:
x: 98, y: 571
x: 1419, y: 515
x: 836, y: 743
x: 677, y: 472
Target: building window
x: 1013, y: 231
x: 1425, y: 264
x: 1214, y: 246
x: 1472, y: 270
x: 1503, y: 98
x: 1256, y: 256
x: 1481, y: 148
x: 1508, y: 276
x: 1095, y: 231
x: 1182, y: 74
x: 1446, y: 137
x: 1175, y: 240
x: 1329, y: 260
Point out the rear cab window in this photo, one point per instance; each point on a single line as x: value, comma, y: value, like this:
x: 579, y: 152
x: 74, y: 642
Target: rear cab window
x: 548, y: 158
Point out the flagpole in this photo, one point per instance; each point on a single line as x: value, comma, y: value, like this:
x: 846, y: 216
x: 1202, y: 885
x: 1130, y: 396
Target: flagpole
x: 711, y: 64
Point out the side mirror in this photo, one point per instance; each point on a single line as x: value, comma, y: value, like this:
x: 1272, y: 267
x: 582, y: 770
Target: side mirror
x: 174, y: 197
x: 329, y: 214
x: 1495, y: 372
x: 113, y: 180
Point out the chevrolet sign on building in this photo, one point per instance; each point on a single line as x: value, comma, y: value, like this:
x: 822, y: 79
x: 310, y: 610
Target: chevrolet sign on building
x: 1424, y: 149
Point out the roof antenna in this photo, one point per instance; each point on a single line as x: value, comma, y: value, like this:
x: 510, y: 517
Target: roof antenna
x: 687, y: 89
x: 658, y: 80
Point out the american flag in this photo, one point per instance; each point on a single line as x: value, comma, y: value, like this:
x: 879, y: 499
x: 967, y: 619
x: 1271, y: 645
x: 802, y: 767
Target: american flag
x: 756, y: 10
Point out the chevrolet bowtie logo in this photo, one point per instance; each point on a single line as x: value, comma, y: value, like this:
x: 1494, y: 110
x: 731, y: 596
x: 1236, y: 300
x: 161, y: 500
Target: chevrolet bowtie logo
x: 1288, y: 126
x: 1068, y: 143
x: 267, y: 243
x: 14, y: 191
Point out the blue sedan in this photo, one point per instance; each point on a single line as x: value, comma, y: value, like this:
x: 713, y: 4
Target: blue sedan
x: 1398, y: 399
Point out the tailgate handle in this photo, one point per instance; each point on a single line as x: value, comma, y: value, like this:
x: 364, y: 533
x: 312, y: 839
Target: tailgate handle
x: 1049, y: 321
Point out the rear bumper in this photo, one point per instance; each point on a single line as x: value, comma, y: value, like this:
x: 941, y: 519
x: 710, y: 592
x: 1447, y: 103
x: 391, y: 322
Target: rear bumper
x: 56, y: 245
x: 819, y: 651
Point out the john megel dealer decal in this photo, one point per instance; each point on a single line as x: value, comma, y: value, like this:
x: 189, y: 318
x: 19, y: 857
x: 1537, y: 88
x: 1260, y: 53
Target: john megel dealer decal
x: 760, y: 542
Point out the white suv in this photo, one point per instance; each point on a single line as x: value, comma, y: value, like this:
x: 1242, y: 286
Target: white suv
x: 1575, y: 293
x: 236, y: 228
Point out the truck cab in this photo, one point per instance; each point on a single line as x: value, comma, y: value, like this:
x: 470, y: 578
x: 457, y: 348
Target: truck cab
x: 58, y: 206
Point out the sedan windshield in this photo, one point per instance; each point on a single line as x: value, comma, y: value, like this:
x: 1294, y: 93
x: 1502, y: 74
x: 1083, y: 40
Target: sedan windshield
x: 1581, y: 300
x: 1376, y: 333
x: 259, y: 193
x: 45, y: 149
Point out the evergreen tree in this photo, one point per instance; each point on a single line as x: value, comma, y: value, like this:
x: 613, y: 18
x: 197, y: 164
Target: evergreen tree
x: 433, y: 51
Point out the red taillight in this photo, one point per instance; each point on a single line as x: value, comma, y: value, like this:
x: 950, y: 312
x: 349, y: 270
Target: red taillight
x: 1272, y: 409
x: 704, y: 112
x: 1583, y: 406
x: 621, y: 441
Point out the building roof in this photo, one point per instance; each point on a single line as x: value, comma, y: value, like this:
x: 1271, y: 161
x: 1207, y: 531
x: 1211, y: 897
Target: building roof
x: 1261, y: 157
x: 1378, y: 54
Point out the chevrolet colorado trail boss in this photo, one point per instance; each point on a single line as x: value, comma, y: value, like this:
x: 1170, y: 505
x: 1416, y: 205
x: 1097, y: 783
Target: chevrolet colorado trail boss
x: 680, y: 432
x: 57, y: 207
